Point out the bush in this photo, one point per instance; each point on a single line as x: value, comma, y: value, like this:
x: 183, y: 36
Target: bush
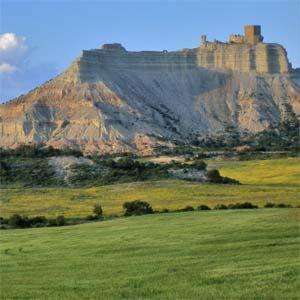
x: 199, y: 165
x: 137, y: 208
x: 52, y: 222
x: 187, y: 208
x: 283, y: 205
x: 245, y: 205
x: 203, y: 207
x: 164, y: 211
x: 38, y: 221
x: 214, y: 176
x: 227, y: 180
x: 18, y: 221
x: 269, y: 205
x: 220, y: 206
x: 60, y: 221
x: 91, y: 218
x: 98, y: 211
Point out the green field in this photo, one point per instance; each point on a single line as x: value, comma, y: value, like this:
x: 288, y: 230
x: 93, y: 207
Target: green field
x: 276, y: 180
x: 235, y: 254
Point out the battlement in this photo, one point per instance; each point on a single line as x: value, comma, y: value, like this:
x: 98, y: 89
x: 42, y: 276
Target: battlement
x: 252, y: 36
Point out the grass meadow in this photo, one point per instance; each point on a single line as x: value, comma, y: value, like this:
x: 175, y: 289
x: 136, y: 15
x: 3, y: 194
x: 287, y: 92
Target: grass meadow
x: 234, y: 254
x: 276, y: 180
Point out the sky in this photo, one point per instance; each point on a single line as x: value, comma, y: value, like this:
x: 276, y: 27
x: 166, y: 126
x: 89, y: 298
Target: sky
x: 40, y: 38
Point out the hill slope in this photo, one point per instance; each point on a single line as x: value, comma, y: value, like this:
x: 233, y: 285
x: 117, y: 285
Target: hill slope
x: 197, y: 255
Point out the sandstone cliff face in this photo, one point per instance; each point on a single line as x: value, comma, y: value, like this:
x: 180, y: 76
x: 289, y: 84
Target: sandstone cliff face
x: 112, y: 100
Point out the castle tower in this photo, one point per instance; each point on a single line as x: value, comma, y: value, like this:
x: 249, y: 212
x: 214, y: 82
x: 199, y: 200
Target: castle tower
x: 253, y: 34
x: 203, y: 41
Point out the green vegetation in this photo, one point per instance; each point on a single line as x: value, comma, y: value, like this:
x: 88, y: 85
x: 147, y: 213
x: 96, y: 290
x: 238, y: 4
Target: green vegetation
x: 225, y: 254
x: 280, y: 137
x: 37, y: 151
x: 275, y: 181
x: 137, y: 208
x: 28, y: 172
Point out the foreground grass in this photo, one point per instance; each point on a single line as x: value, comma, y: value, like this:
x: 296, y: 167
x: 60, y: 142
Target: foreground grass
x: 264, y: 181
x: 243, y: 254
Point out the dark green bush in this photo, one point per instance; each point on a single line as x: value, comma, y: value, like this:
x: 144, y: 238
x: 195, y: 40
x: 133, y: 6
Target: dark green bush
x: 17, y: 221
x: 91, y: 218
x: 98, y: 211
x: 137, y: 207
x: 269, y: 205
x: 245, y: 205
x: 187, y: 208
x: 60, y: 221
x: 199, y: 165
x: 283, y: 205
x: 38, y: 221
x: 214, y: 176
x: 203, y: 207
x: 220, y: 206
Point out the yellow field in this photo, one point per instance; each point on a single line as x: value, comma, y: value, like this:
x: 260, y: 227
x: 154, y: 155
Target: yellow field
x: 262, y: 180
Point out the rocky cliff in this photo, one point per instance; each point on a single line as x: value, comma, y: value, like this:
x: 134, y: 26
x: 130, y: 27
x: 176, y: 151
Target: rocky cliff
x: 113, y: 100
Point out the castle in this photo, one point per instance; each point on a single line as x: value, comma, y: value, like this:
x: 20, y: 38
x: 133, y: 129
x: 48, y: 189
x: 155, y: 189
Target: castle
x: 241, y: 53
x: 244, y: 53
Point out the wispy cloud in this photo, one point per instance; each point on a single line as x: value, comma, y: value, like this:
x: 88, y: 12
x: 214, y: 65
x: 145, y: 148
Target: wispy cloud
x: 13, y: 52
x: 18, y: 74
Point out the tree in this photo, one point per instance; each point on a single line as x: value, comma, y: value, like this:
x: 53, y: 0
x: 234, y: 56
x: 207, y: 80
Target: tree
x: 98, y: 211
x: 60, y: 221
x: 137, y: 207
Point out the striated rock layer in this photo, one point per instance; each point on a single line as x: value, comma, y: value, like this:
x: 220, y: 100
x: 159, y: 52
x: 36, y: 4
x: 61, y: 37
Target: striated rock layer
x: 113, y: 100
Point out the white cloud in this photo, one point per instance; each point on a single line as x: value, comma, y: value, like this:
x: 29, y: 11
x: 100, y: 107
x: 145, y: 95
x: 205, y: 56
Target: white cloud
x: 7, y: 68
x: 13, y: 52
x: 18, y: 74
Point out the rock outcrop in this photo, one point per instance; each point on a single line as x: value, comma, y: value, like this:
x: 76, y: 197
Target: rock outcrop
x: 113, y: 100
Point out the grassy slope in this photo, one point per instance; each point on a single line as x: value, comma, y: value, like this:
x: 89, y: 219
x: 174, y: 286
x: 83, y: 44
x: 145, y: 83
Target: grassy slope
x: 196, y: 255
x: 267, y: 180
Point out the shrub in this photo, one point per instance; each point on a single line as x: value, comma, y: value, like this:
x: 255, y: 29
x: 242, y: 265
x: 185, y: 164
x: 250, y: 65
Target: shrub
x: 269, y: 205
x: 164, y: 211
x: 3, y: 221
x: 283, y: 205
x: 227, y: 180
x: 220, y: 206
x: 38, y: 221
x: 91, y: 217
x: 245, y: 205
x: 18, y: 221
x: 52, y: 222
x: 199, y: 165
x: 214, y: 176
x: 98, y: 211
x: 187, y: 208
x: 203, y: 207
x: 60, y: 221
x: 137, y: 207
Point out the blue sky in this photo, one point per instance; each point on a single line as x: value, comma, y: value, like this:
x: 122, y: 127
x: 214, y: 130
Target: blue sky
x: 52, y: 33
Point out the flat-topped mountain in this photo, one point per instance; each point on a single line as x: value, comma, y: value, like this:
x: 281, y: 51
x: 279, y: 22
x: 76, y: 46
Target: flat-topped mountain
x: 114, y: 100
